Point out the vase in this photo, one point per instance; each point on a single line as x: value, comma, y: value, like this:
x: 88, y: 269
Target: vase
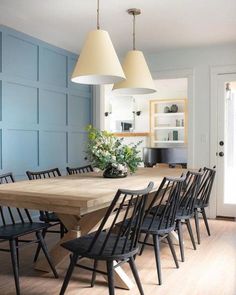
x: 113, y: 172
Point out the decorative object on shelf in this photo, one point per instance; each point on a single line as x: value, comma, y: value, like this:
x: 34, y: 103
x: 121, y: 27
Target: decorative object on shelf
x: 108, y: 153
x: 174, y: 108
x: 138, y: 77
x: 182, y: 122
x: 98, y: 62
x: 166, y: 109
x: 177, y: 122
x: 175, y: 135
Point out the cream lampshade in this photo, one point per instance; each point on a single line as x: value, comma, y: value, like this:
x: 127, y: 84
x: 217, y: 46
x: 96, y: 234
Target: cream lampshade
x: 138, y: 77
x: 98, y: 62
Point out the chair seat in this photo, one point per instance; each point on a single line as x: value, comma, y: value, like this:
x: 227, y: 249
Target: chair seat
x: 81, y: 246
x: 156, y: 227
x: 49, y: 217
x: 183, y: 214
x: 200, y: 204
x: 17, y: 230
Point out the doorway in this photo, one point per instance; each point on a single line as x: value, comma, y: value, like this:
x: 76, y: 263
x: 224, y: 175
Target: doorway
x: 226, y: 145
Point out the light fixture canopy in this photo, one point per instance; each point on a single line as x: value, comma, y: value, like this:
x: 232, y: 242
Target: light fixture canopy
x: 98, y: 62
x: 138, y: 77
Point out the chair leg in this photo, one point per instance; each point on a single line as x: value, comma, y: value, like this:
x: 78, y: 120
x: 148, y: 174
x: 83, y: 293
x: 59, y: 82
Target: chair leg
x: 62, y: 230
x: 73, y: 261
x: 205, y: 221
x: 172, y: 249
x: 157, y: 256
x: 191, y: 233
x: 14, y: 261
x: 94, y: 273
x: 143, y: 245
x: 136, y: 276
x: 44, y: 231
x: 181, y: 241
x: 46, y: 253
x: 110, y: 276
x: 196, y: 218
x: 17, y: 253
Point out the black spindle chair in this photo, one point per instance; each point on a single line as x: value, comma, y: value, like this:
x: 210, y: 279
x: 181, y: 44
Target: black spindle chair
x: 78, y: 170
x: 49, y: 218
x: 186, y: 207
x: 111, y: 243
x: 15, y: 224
x: 203, y: 197
x: 159, y: 219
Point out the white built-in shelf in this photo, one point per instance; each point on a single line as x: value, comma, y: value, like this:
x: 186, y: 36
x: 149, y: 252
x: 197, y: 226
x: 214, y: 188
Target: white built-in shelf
x: 168, y: 141
x: 169, y: 128
x: 168, y: 114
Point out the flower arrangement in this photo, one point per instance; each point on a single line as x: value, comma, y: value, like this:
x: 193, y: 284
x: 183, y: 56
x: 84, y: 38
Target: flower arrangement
x: 107, y: 152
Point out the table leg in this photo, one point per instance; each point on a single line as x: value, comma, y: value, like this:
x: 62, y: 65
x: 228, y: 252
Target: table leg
x: 76, y: 227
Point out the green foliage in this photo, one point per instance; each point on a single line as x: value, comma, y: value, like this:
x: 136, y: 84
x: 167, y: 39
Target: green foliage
x: 105, y: 150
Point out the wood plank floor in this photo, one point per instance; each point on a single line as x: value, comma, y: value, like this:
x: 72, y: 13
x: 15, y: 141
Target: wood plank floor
x: 210, y: 270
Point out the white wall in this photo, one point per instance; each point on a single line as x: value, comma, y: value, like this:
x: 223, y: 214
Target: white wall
x: 199, y: 60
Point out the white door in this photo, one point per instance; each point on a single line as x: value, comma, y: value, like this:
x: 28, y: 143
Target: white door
x: 226, y: 145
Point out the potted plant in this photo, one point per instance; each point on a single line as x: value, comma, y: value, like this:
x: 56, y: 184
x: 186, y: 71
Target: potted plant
x: 109, y: 154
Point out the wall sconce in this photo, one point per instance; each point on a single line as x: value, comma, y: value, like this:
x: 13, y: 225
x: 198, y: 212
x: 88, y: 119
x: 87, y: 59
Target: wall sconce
x: 138, y: 113
x: 107, y: 114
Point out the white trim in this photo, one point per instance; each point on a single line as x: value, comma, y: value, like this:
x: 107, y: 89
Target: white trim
x: 214, y: 72
x: 189, y: 74
x: 98, y: 108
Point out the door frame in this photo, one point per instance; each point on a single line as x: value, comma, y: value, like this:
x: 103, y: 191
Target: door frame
x: 99, y: 105
x: 215, y: 71
x: 187, y: 73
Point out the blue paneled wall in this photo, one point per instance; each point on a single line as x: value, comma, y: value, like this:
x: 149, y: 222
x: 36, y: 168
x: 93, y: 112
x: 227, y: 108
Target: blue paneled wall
x: 42, y: 114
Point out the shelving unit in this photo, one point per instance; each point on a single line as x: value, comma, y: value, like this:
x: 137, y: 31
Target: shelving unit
x: 168, y: 128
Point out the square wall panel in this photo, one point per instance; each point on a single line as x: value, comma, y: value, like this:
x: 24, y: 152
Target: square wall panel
x: 52, y: 149
x: 52, y: 67
x: 52, y: 107
x: 79, y: 112
x: 21, y: 58
x: 0, y: 52
x: 21, y: 150
x: 73, y: 85
x: 77, y: 145
x: 20, y: 103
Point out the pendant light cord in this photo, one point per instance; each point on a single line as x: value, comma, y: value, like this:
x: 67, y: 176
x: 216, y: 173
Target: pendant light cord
x: 98, y: 15
x: 134, y: 33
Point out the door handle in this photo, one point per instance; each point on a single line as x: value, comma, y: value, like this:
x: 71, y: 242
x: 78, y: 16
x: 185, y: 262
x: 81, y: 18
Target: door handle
x: 221, y: 154
x: 221, y: 143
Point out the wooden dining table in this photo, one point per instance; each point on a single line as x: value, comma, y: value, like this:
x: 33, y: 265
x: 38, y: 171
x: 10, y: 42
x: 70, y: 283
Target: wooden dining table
x: 80, y: 201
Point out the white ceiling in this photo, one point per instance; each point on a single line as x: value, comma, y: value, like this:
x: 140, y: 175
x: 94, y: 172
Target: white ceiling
x: 164, y: 24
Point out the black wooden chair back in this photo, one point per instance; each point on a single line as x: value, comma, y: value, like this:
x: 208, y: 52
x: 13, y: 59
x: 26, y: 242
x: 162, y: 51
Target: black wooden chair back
x: 165, y: 204
x: 78, y: 170
x: 43, y: 174
x: 127, y: 209
x: 10, y: 215
x: 189, y: 194
x: 206, y: 184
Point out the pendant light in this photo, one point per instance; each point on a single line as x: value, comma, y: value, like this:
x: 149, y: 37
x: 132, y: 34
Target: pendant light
x: 138, y: 77
x: 98, y: 62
